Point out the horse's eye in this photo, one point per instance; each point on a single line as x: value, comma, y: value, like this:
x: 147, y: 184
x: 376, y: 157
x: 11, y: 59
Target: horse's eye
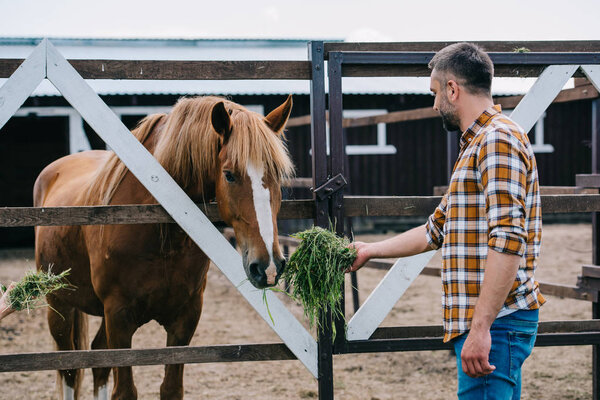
x: 229, y: 177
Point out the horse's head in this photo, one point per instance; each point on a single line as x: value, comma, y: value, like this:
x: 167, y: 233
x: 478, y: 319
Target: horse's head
x: 252, y: 162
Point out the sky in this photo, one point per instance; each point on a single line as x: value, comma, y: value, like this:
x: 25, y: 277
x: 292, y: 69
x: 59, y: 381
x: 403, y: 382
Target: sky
x: 365, y: 20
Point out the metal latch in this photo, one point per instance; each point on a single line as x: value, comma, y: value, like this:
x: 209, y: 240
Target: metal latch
x: 330, y: 187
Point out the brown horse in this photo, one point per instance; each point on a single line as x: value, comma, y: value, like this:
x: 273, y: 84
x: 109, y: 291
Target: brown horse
x: 131, y: 274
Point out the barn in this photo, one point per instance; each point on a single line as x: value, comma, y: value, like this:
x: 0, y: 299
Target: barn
x: 47, y: 127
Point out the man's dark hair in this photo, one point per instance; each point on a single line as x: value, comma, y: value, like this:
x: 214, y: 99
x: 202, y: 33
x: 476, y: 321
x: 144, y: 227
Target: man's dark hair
x: 468, y: 63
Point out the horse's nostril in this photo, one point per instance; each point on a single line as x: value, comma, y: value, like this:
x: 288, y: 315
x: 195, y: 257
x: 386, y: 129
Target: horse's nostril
x: 281, y: 266
x: 257, y: 272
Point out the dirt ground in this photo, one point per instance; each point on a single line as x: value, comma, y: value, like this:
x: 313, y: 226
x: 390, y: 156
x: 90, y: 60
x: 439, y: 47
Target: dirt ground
x: 550, y: 373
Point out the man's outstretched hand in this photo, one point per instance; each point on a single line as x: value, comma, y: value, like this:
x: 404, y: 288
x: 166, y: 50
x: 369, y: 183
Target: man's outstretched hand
x: 362, y: 255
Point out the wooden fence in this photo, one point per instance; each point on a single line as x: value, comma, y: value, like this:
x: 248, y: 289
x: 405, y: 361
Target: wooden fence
x: 383, y: 339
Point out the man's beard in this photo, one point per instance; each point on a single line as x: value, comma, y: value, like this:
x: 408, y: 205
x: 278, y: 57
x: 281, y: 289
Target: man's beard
x: 449, y: 115
x: 450, y: 122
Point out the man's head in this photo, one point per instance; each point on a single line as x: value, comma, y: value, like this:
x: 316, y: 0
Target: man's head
x: 459, y: 73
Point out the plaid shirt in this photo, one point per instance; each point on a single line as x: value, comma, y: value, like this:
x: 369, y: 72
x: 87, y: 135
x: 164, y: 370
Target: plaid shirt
x: 493, y: 201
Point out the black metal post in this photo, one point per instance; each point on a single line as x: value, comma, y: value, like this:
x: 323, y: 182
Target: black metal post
x: 286, y: 255
x: 320, y: 174
x: 451, y: 151
x: 596, y: 241
x: 338, y: 161
x: 353, y: 275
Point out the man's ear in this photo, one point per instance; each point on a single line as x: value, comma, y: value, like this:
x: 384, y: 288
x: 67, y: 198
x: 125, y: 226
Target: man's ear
x: 452, y: 90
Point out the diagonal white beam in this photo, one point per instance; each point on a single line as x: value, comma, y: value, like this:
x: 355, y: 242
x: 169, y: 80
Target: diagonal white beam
x: 542, y: 93
x: 381, y: 301
x: 174, y: 200
x: 593, y: 74
x: 22, y: 83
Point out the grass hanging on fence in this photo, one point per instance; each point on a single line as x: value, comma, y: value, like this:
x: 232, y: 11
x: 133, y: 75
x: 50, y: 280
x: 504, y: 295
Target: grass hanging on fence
x: 29, y: 292
x: 316, y: 272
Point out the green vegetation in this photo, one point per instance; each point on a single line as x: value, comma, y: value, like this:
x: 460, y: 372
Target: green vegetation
x: 316, y: 272
x: 30, y: 291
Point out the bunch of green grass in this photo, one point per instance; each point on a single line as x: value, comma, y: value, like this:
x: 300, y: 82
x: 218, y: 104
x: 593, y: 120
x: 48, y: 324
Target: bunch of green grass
x: 316, y: 272
x: 29, y: 292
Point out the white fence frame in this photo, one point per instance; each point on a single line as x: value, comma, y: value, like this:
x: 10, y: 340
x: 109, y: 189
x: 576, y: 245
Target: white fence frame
x: 46, y: 62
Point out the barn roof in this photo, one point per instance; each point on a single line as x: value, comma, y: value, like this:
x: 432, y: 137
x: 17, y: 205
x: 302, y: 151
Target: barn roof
x: 216, y: 49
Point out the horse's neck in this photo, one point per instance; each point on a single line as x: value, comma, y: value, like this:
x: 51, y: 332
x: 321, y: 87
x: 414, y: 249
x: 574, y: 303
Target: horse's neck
x: 131, y: 191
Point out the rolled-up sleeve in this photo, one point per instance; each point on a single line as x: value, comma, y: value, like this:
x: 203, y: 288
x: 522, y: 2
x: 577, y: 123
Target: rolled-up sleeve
x: 503, y: 165
x: 435, y: 225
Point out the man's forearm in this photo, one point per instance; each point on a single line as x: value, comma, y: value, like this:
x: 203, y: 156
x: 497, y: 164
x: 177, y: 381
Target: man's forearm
x: 405, y: 244
x: 500, y: 272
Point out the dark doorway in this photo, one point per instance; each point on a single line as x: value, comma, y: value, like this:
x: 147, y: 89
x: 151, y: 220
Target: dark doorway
x: 27, y: 145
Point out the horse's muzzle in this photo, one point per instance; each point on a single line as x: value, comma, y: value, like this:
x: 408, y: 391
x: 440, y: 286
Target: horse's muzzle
x: 263, y: 275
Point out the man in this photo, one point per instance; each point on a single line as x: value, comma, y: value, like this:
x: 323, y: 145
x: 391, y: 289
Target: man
x: 488, y: 226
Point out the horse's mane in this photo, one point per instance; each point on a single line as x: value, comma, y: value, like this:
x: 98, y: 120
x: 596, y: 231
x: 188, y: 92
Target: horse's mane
x: 187, y: 147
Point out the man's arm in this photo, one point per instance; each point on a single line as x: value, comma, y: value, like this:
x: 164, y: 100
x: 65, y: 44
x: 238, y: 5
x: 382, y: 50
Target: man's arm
x: 405, y: 244
x: 500, y: 272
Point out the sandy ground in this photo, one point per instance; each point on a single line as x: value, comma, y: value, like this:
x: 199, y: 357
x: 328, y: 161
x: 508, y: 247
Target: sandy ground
x: 550, y: 373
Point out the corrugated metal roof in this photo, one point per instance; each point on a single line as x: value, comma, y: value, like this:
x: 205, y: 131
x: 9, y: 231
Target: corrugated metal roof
x: 216, y: 49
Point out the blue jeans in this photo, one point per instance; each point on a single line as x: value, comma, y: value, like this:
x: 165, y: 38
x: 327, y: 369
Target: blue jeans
x: 513, y: 337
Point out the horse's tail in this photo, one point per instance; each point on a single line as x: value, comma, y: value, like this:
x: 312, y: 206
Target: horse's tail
x: 109, y: 176
x: 80, y: 342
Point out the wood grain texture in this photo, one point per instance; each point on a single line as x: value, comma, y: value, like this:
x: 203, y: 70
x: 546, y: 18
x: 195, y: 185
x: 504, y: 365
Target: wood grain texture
x: 127, y: 214
x: 129, y: 357
x: 179, y: 70
x: 400, y: 332
x: 372, y: 70
x: 488, y: 46
x: 355, y: 206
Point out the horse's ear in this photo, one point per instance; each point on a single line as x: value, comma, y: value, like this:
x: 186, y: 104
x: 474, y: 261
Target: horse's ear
x: 277, y: 118
x: 221, y: 121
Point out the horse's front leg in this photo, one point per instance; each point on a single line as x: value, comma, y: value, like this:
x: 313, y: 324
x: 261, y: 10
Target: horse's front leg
x: 100, y: 374
x: 179, y: 333
x: 119, y: 331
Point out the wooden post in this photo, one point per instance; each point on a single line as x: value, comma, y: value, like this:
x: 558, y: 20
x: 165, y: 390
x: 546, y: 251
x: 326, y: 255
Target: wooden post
x: 320, y: 174
x: 596, y: 242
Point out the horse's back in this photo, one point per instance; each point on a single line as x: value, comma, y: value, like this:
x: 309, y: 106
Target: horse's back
x: 62, y: 184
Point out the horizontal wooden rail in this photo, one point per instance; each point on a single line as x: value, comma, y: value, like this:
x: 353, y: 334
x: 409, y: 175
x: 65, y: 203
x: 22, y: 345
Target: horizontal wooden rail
x: 489, y: 46
x: 400, y: 332
x: 582, y: 92
x: 502, y: 71
x: 130, y: 357
x: 428, y: 335
x: 389, y: 64
x: 389, y: 206
x: 124, y: 214
x: 436, y: 343
x: 179, y: 70
x: 356, y: 206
